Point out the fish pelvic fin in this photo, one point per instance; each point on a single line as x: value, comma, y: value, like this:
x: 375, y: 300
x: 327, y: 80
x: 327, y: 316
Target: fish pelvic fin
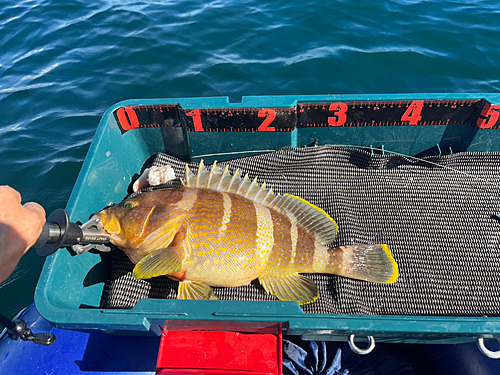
x: 311, y: 218
x: 293, y: 287
x: 195, y: 290
x: 374, y: 263
x: 161, y: 262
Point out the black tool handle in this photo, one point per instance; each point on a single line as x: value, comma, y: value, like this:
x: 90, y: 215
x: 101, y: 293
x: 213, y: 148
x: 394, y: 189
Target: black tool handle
x: 57, y: 232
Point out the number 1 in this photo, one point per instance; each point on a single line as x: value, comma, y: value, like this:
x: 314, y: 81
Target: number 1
x: 196, y: 115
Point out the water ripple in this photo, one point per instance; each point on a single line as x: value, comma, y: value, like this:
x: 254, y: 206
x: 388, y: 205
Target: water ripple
x: 25, y: 88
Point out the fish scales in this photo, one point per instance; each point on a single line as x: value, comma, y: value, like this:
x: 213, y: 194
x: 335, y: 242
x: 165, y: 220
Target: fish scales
x: 224, y: 230
x: 296, y: 251
x: 219, y: 251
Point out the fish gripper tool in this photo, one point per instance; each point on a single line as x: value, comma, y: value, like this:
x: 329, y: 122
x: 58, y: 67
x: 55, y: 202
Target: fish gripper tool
x: 59, y: 232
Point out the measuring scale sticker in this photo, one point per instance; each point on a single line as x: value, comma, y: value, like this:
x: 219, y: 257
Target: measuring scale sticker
x: 240, y: 119
x: 147, y: 116
x: 477, y: 113
x: 396, y: 113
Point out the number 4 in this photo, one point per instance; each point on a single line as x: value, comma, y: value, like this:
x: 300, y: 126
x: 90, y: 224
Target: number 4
x: 413, y: 113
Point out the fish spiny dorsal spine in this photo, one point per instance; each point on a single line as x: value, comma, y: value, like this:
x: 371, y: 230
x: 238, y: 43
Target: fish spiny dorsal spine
x: 302, y: 213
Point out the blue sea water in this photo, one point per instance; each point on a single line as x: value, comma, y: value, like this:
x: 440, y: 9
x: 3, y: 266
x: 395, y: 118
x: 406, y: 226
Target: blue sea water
x: 62, y: 64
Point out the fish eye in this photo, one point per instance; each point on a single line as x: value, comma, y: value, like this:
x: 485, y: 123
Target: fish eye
x: 130, y: 204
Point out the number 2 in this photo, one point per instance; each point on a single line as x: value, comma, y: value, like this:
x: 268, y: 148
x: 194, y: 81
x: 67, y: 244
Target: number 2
x: 270, y: 115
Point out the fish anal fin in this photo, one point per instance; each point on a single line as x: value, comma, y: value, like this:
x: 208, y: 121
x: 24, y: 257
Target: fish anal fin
x: 161, y: 262
x: 195, y: 290
x: 374, y: 263
x: 293, y: 287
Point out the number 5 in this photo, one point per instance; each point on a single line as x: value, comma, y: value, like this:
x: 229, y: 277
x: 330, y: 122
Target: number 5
x: 491, y: 113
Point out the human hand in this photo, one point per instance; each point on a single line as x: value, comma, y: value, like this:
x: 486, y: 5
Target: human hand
x: 20, y: 227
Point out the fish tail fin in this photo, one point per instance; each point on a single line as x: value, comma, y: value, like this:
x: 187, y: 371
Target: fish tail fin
x: 374, y: 263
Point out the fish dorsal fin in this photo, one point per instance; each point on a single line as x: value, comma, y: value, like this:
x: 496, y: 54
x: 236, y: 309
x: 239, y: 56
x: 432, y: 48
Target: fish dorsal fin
x: 222, y: 180
x: 311, y: 218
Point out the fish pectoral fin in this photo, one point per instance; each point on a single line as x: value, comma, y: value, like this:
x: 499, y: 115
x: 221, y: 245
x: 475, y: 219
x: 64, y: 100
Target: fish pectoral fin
x: 163, y: 236
x: 195, y: 290
x: 293, y: 287
x: 159, y: 263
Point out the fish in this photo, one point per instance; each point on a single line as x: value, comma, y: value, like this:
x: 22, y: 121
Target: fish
x: 224, y: 230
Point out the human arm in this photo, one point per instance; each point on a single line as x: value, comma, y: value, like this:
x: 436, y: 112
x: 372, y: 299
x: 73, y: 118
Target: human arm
x: 20, y: 226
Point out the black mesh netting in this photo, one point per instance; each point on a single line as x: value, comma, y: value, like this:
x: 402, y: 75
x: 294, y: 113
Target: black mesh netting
x: 435, y: 214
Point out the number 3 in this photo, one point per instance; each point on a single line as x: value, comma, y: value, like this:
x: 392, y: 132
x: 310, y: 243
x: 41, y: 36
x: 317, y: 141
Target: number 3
x: 339, y: 111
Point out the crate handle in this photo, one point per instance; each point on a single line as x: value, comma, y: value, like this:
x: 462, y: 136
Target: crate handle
x: 355, y: 349
x: 488, y: 353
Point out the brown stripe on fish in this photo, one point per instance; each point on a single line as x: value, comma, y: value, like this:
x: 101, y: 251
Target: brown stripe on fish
x: 281, y: 256
x: 205, y: 220
x: 165, y: 197
x: 335, y: 260
x: 294, y: 237
x: 240, y: 236
x: 304, y: 256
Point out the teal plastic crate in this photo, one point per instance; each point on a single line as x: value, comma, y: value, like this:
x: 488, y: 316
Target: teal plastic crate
x: 69, y: 291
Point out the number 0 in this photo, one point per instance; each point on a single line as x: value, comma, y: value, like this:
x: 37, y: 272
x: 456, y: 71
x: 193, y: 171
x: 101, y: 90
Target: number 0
x: 128, y: 118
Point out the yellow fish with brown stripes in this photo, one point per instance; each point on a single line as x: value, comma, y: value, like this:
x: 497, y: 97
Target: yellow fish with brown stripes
x: 224, y: 230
